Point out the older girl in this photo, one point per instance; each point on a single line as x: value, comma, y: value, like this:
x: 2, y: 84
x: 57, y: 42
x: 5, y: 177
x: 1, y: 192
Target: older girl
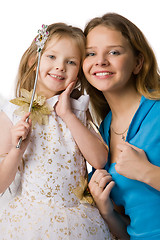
x: 124, y: 86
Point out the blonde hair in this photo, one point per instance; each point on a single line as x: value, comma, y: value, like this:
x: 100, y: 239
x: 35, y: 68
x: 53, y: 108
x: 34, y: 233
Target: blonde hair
x: 26, y: 72
x: 147, y: 80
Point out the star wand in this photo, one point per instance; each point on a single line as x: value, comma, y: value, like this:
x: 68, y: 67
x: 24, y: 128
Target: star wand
x: 40, y: 41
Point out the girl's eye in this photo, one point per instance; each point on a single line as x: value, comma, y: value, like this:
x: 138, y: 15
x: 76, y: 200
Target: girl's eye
x: 71, y: 62
x: 90, y: 54
x: 114, y: 52
x: 51, y: 56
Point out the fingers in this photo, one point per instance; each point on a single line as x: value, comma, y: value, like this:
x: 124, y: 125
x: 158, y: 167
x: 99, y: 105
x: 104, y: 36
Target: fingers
x: 98, y: 174
x: 63, y: 106
x: 25, y: 121
x: 108, y: 188
x: 70, y: 88
x: 99, y: 180
x: 25, y: 117
x: 21, y: 129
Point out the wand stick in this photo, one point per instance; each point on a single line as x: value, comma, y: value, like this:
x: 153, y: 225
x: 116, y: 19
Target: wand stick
x: 40, y: 41
x: 33, y: 94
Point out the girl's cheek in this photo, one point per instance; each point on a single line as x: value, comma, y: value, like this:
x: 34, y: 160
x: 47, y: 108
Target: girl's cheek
x: 85, y: 66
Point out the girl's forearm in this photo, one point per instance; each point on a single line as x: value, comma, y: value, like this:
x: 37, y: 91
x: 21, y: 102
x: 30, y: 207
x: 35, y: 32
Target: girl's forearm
x: 90, y: 145
x: 117, y: 225
x: 8, y: 168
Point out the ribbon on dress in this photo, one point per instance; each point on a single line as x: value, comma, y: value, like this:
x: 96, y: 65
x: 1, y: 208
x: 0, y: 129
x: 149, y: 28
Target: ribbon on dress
x: 40, y: 109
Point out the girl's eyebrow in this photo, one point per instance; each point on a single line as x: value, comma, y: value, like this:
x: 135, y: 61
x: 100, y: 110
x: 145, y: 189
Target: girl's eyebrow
x: 50, y: 50
x: 90, y: 48
x: 109, y: 46
x: 112, y: 46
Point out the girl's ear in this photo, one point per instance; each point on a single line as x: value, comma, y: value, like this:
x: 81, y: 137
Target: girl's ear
x: 139, y: 63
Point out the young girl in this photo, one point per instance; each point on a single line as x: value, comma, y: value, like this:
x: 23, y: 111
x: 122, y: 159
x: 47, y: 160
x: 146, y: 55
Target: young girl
x: 124, y: 87
x: 53, y: 166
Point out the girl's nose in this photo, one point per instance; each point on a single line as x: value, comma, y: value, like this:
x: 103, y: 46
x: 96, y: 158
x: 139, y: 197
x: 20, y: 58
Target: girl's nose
x: 102, y: 61
x: 60, y: 67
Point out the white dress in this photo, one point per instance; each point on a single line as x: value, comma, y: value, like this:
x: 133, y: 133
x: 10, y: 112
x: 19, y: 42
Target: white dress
x: 46, y: 207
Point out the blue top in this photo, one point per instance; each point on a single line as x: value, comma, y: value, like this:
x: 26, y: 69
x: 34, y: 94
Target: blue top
x: 141, y: 202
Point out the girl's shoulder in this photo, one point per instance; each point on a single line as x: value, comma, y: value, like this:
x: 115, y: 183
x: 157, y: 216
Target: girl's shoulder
x: 153, y: 106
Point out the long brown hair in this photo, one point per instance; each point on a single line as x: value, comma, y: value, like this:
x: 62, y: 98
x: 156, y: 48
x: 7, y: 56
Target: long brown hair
x: 147, y: 80
x: 26, y: 72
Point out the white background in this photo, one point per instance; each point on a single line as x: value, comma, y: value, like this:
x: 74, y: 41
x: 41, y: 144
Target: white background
x: 21, y: 19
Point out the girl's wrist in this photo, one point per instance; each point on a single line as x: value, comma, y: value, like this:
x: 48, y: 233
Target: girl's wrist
x: 107, y: 216
x: 148, y: 172
x: 68, y: 117
x: 17, y: 152
x: 106, y: 213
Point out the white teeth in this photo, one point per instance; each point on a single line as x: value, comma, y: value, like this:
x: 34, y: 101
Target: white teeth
x: 55, y: 76
x: 103, y: 74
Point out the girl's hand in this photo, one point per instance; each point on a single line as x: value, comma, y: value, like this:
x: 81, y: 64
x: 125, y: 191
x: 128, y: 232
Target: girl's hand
x: 131, y: 161
x: 100, y: 187
x: 21, y: 129
x: 63, y: 106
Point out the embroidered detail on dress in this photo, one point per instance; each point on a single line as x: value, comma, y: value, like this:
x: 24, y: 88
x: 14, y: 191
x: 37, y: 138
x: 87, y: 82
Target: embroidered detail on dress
x: 82, y: 192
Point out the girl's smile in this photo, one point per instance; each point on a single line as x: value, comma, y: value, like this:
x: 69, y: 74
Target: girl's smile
x: 102, y: 74
x: 56, y: 77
